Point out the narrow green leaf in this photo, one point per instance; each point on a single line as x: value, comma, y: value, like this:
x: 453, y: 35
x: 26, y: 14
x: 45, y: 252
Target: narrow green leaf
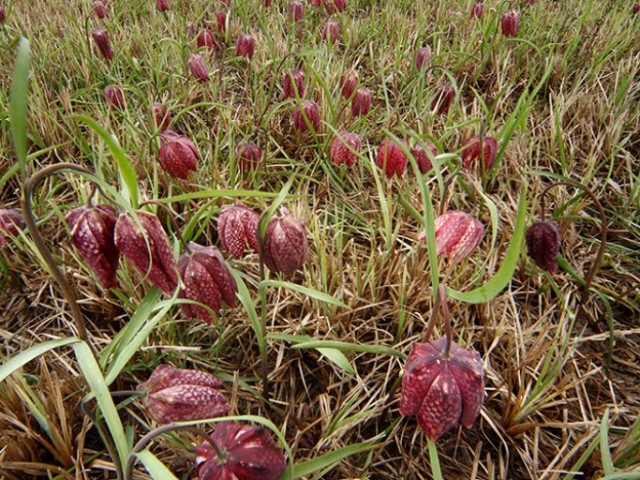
x: 18, y: 103
x: 245, y: 298
x: 128, y: 178
x: 154, y: 466
x: 94, y: 378
x: 350, y: 347
x: 262, y: 228
x: 309, y: 292
x: 339, y: 358
x: 504, y: 274
x: 605, y: 454
x: 14, y: 363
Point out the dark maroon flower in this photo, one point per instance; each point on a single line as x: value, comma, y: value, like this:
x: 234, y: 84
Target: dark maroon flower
x: 245, y: 46
x: 182, y: 395
x: 241, y: 452
x: 391, y: 159
x: 636, y: 8
x: 477, y: 10
x: 349, y: 82
x: 443, y: 387
x: 310, y: 112
x: 345, y: 148
x: 266, y: 3
x: 292, y: 84
x: 115, y: 97
x: 361, y: 103
x: 248, y: 156
x: 206, y: 279
x: 162, y: 5
x: 443, y: 99
x: 2, y: 19
x: 331, y: 31
x: 161, y: 116
x: 198, y: 68
x: 101, y: 38
x: 99, y: 9
x: 422, y: 157
x: 543, y: 244
x: 92, y: 230
x: 178, y: 155
x: 11, y: 222
x: 457, y: 234
x: 296, y: 11
x: 530, y: 2
x: 334, y: 6
x: 142, y: 241
x: 285, y: 244
x: 221, y: 21
x: 207, y: 39
x: 473, y: 152
x: 423, y: 58
x: 510, y: 23
x: 238, y: 229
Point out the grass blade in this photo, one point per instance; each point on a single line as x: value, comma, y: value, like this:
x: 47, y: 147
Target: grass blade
x: 14, y: 363
x: 18, y: 105
x: 310, y: 292
x: 154, y: 466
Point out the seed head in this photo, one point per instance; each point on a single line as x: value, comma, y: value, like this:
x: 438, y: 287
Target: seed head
x: 345, y: 148
x: 178, y: 155
x: 92, y: 230
x: 115, y: 97
x: 285, y: 244
x: 101, y: 38
x: 11, y: 222
x: 181, y: 395
x: 510, y: 23
x: 238, y: 229
x: 310, y: 112
x: 144, y: 244
x: 391, y: 159
x: 442, y: 101
x: 473, y: 152
x: 543, y: 244
x: 248, y: 156
x: 245, y: 46
x: 361, y: 103
x: 443, y: 388
x: 198, y: 68
x: 241, y: 452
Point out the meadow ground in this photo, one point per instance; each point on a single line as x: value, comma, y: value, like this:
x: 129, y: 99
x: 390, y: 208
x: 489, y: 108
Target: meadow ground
x: 560, y: 351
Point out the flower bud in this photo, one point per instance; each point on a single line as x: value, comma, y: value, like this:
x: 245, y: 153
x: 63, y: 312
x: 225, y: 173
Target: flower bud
x: 442, y: 387
x: 422, y: 157
x: 349, y: 82
x: 285, y: 244
x: 345, y: 148
x: 510, y: 22
x: 2, y: 19
x: 477, y: 10
x: 11, y: 222
x: 248, y: 156
x: 245, y: 46
x: 423, y: 58
x: 331, y: 31
x: 292, y: 84
x: 238, y: 229
x: 206, y: 279
x: 161, y: 116
x: 101, y: 38
x: 310, y: 112
x: 296, y: 11
x: 241, y: 452
x: 457, y: 234
x: 99, y: 9
x: 335, y: 6
x: 442, y: 101
x: 543, y: 244
x: 178, y: 155
x: 198, y: 68
x: 391, y: 159
x: 221, y: 21
x: 115, y: 97
x: 473, y: 152
x: 92, y: 230
x: 144, y: 244
x: 207, y: 39
x: 361, y: 103
x: 182, y: 395
x: 162, y: 5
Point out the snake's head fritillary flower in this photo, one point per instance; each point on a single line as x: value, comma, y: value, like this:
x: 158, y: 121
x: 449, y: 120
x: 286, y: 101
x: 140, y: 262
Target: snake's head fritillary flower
x: 361, y: 103
x: 423, y: 58
x: 285, y: 244
x: 198, y: 68
x: 292, y: 84
x: 457, y: 234
x: 349, y: 82
x: 543, y: 244
x: 510, y: 23
x: 477, y: 10
x: 11, y: 222
x: 178, y: 155
x: 103, y: 42
x: 473, y: 151
x: 422, y: 157
x: 391, y: 159
x: 238, y: 228
x: 345, y: 148
x: 441, y: 103
x: 245, y: 46
x: 306, y: 116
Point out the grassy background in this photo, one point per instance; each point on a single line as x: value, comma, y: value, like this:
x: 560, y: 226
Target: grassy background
x: 562, y: 101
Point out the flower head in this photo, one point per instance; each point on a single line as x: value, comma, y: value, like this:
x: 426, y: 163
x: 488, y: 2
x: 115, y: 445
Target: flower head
x: 345, y: 148
x: 422, y: 157
x: 238, y: 228
x: 441, y: 103
x: 477, y: 10
x: 457, y: 234
x: 161, y: 116
x: 510, y: 23
x: 198, y: 68
x: 206, y: 39
x: 245, y: 46
x: 115, y: 97
x: 99, y: 9
x: 391, y: 159
x: 331, y: 31
x: 309, y: 112
x: 101, y: 38
x: 472, y: 151
x: 178, y: 155
x: 11, y: 222
x: 285, y: 244
x: 349, y: 82
x: 248, y: 155
x: 361, y: 103
x: 292, y: 84
x: 423, y: 58
x: 543, y: 244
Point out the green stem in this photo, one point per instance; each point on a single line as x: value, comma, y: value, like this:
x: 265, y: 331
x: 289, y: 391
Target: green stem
x: 106, y: 439
x: 434, y: 460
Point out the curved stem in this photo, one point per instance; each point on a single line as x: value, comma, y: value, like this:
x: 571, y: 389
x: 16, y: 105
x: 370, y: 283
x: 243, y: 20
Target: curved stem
x: 595, y: 265
x: 172, y: 219
x: 432, y: 318
x: 106, y: 439
x: 263, y: 313
x: 442, y: 294
x: 141, y: 444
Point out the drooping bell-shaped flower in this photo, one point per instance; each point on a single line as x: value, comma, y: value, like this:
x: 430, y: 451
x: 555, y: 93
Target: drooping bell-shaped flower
x: 441, y: 103
x: 285, y: 244
x: 423, y: 58
x: 292, y: 84
x: 206, y: 279
x: 296, y: 11
x: 144, y: 244
x: 349, y: 82
x: 331, y: 31
x: 99, y: 9
x: 443, y: 386
x: 92, y: 230
x: 178, y: 155
x: 101, y: 38
x: 391, y: 159
x: 162, y: 5
x: 248, y: 155
x: 221, y: 21
x: 206, y: 38
x: 161, y: 116
x: 543, y: 244
x: 510, y: 23
x: 245, y: 46
x: 309, y: 112
x: 238, y: 229
x: 11, y: 222
x: 334, y: 6
x: 361, y: 103
x: 422, y: 157
x: 181, y: 395
x: 477, y: 10
x: 472, y: 151
x: 457, y: 234
x: 198, y: 68
x: 241, y: 452
x: 2, y: 19
x: 345, y: 148
x: 115, y: 97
